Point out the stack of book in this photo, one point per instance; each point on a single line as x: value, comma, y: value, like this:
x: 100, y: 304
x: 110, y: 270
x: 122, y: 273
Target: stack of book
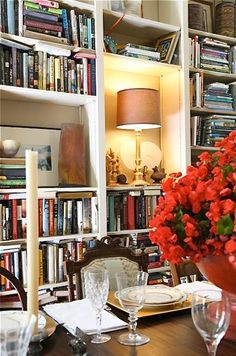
x: 216, y: 128
x: 139, y: 51
x: 214, y: 55
x: 217, y: 96
x: 49, y: 21
x: 12, y: 173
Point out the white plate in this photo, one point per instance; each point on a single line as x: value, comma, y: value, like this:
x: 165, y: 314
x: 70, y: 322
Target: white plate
x: 157, y: 295
x: 181, y: 300
x: 18, y: 315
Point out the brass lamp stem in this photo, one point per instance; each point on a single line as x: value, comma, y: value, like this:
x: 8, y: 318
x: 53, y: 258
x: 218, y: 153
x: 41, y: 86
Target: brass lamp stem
x: 138, y: 174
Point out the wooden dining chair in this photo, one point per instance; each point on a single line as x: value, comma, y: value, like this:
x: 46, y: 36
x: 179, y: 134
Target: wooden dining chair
x: 108, y: 254
x: 16, y: 284
x: 187, y: 269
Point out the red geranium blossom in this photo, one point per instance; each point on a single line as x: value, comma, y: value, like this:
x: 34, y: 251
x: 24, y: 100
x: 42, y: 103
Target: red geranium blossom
x: 196, y: 216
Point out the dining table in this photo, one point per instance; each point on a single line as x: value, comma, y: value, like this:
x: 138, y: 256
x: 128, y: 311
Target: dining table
x: 172, y: 334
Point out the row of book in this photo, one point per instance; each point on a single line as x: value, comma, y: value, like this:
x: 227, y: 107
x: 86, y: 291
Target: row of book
x: 140, y: 51
x: 12, y: 172
x: 131, y: 210
x: 48, y: 20
x: 211, y: 54
x: 205, y: 131
x: 56, y: 216
x: 51, y: 258
x: 23, y: 67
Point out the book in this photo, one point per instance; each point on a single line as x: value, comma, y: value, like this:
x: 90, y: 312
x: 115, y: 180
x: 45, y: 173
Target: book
x: 43, y: 25
x: 18, y: 45
x: 43, y: 36
x: 52, y: 49
x: 143, y: 52
x: 137, y: 46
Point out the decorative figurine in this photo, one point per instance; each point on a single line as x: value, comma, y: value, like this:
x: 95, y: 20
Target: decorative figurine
x: 158, y: 174
x: 112, y: 167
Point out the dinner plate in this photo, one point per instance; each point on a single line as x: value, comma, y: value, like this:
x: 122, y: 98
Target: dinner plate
x: 171, y: 304
x: 157, y: 295
x: 45, y: 323
x: 18, y: 314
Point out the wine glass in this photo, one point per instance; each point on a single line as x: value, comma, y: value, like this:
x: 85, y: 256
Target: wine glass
x: 211, y: 316
x: 16, y: 328
x: 96, y: 290
x: 131, y: 294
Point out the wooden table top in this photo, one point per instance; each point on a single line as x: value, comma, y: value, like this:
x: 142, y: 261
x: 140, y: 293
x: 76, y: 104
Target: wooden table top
x: 170, y: 335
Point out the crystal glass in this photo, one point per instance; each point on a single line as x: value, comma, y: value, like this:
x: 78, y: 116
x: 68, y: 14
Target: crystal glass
x: 131, y: 295
x: 211, y: 316
x: 96, y: 290
x: 16, y: 328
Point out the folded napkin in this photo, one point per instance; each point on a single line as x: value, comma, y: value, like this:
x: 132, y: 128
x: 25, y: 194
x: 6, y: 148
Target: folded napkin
x: 80, y: 313
x: 189, y: 288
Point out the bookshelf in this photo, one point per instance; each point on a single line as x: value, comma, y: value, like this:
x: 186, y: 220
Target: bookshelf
x: 200, y: 110
x: 28, y: 107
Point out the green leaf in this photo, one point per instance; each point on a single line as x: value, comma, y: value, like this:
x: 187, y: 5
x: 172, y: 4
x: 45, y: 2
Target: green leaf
x: 227, y: 169
x: 225, y: 225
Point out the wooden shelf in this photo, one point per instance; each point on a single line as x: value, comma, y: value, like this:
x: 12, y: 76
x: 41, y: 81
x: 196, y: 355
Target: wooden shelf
x: 83, y: 237
x: 44, y: 96
x: 210, y: 75
x: 127, y: 232
x: 130, y: 187
x: 230, y: 40
x: 204, y: 148
x: 20, y: 192
x: 118, y: 62
x: 159, y: 269
x: 205, y: 111
x: 133, y: 26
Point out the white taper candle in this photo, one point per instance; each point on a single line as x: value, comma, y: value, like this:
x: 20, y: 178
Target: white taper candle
x: 32, y: 232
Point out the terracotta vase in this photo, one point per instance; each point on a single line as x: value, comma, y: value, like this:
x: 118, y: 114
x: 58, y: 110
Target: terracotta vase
x: 220, y: 271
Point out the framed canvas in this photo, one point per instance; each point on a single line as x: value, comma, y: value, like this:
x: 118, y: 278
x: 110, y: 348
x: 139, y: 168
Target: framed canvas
x: 43, y: 140
x: 166, y: 45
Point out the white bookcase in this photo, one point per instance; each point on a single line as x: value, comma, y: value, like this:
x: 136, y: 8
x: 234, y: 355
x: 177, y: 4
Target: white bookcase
x: 38, y: 108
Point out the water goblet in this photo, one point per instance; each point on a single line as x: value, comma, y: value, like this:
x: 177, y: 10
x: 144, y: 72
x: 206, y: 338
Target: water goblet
x: 211, y: 316
x: 16, y: 328
x: 96, y: 290
x: 131, y: 295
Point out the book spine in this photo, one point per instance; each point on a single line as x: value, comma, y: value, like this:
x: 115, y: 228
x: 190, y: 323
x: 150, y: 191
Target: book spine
x: 94, y: 215
x: 43, y: 25
x: 14, y: 219
x: 80, y: 216
x: 47, y: 3
x: 45, y: 217
x: 10, y: 17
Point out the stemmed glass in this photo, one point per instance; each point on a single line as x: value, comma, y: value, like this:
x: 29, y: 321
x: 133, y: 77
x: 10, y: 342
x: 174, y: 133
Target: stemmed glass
x: 211, y: 316
x: 131, y: 295
x: 16, y: 328
x: 96, y: 290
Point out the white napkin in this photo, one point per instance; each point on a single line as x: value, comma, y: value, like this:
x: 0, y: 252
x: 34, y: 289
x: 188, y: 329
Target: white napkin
x: 80, y: 313
x: 189, y: 288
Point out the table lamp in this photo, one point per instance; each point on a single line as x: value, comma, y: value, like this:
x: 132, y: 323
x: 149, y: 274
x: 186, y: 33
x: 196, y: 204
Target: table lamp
x: 138, y: 109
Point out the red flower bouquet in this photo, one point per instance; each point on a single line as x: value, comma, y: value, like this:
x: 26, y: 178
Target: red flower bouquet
x: 196, y: 217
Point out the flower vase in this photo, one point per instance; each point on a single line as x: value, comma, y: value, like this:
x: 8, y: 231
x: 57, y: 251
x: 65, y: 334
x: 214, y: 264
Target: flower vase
x: 219, y: 270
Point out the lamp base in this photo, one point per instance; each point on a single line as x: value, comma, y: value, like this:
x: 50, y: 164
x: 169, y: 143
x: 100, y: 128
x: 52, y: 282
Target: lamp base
x: 139, y: 182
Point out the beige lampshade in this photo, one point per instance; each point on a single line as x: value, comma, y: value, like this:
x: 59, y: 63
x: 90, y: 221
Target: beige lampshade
x: 138, y: 109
